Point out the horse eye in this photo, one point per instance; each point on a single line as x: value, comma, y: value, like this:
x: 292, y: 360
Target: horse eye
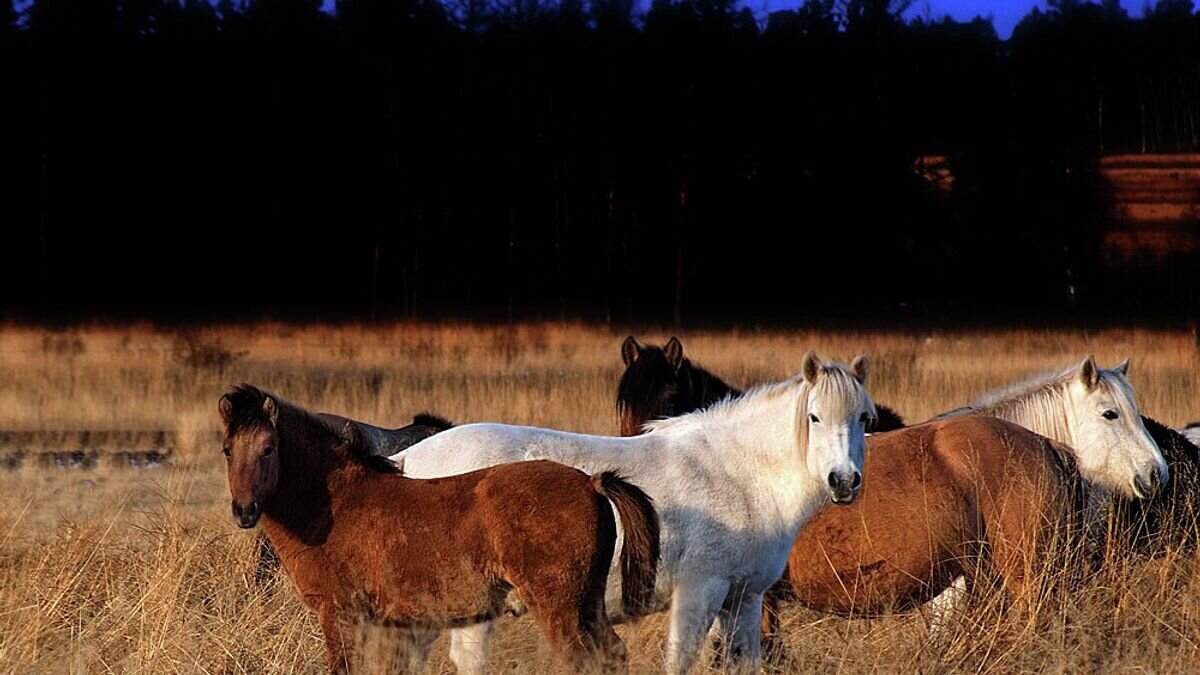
x: 1110, y: 414
x: 227, y: 452
x: 813, y: 418
x: 268, y: 450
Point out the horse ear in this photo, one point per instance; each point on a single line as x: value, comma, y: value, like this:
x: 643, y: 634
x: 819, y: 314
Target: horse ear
x: 860, y: 367
x: 811, y: 367
x: 1089, y: 374
x: 1122, y: 367
x: 225, y: 406
x: 271, y: 409
x: 630, y: 350
x: 674, y: 352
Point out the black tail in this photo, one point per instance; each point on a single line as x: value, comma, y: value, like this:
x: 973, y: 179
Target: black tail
x: 639, y: 554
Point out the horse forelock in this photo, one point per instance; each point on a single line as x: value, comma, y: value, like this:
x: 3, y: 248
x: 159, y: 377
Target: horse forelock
x: 245, y: 408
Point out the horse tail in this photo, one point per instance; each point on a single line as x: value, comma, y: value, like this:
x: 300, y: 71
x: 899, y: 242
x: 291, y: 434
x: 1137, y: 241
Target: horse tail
x: 639, y: 555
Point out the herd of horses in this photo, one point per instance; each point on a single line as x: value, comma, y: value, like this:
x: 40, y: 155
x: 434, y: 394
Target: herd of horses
x: 715, y: 505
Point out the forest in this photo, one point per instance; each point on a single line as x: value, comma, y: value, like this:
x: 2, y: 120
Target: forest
x: 688, y: 161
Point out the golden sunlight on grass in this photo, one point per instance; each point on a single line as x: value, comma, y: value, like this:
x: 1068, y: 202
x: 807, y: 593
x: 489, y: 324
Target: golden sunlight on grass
x: 142, y: 571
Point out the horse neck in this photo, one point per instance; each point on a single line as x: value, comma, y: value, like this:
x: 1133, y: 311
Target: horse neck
x: 311, y: 466
x: 1043, y: 411
x: 757, y: 437
x: 706, y: 387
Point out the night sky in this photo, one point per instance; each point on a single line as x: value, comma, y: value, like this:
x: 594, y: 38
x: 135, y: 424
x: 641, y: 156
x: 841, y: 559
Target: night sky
x: 1004, y: 13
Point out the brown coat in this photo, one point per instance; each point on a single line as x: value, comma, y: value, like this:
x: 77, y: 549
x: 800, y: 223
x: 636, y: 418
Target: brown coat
x: 362, y: 543
x: 931, y: 495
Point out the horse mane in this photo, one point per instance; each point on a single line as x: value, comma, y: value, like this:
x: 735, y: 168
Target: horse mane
x: 426, y: 419
x: 838, y: 382
x: 711, y: 387
x: 246, y: 406
x: 1036, y: 402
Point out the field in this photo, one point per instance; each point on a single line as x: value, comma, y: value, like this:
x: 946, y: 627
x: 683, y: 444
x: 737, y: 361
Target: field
x: 112, y: 569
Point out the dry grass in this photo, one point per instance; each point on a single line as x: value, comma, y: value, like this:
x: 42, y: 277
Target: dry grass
x: 143, y: 572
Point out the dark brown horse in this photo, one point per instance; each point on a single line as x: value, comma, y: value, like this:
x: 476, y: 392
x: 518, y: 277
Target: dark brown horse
x: 661, y: 382
x: 364, y: 545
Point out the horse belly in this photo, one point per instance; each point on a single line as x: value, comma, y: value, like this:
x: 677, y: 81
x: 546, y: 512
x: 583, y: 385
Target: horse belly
x: 836, y: 565
x: 441, y: 598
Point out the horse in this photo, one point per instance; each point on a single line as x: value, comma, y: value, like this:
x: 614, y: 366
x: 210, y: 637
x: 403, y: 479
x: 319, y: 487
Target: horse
x: 1092, y: 410
x: 733, y: 485
x: 364, y: 545
x: 943, y: 498
x: 660, y: 382
x: 907, y: 544
x: 387, y: 442
x: 382, y: 442
x: 1151, y: 527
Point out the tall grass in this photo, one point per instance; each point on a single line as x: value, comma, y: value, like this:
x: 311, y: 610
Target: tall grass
x: 143, y: 571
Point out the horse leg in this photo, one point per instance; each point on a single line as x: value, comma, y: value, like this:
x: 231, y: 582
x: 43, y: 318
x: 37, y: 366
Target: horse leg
x: 772, y: 642
x: 470, y: 647
x: 743, y: 638
x: 694, y: 606
x: 944, y: 608
x: 416, y: 648
x: 580, y: 629
x: 337, y: 640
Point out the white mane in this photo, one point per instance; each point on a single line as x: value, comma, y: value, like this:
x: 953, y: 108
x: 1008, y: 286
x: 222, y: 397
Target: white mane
x: 1038, y: 402
x: 726, y: 407
x: 837, y: 385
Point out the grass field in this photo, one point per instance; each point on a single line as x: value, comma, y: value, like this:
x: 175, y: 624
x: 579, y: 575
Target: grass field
x: 142, y: 571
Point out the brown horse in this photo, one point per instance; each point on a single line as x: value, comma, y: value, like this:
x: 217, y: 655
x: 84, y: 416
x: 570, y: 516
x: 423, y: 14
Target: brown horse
x: 939, y: 495
x: 364, y: 545
x: 661, y: 382
x: 382, y: 442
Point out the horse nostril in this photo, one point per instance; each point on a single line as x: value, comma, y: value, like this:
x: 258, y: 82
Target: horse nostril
x: 833, y: 481
x: 857, y: 481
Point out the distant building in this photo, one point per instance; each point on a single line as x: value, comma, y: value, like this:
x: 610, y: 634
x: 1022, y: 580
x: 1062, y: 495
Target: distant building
x: 1156, y: 209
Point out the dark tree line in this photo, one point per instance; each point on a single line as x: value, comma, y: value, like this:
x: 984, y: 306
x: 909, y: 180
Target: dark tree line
x: 543, y: 159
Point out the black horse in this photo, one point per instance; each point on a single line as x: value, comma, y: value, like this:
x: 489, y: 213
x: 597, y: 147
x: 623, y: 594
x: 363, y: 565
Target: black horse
x: 661, y: 382
x: 1168, y: 519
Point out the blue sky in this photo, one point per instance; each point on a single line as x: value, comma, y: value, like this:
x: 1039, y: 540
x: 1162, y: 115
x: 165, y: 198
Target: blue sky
x: 1004, y: 13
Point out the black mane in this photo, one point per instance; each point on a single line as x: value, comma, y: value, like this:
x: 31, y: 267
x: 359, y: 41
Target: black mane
x: 430, y: 420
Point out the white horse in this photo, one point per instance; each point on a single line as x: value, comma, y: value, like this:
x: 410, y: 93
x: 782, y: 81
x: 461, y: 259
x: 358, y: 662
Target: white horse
x: 1092, y: 410
x: 732, y: 484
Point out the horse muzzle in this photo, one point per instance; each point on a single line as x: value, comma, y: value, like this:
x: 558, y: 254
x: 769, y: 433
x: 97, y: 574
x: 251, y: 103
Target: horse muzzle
x: 843, y: 486
x: 1148, y: 482
x: 246, y: 516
